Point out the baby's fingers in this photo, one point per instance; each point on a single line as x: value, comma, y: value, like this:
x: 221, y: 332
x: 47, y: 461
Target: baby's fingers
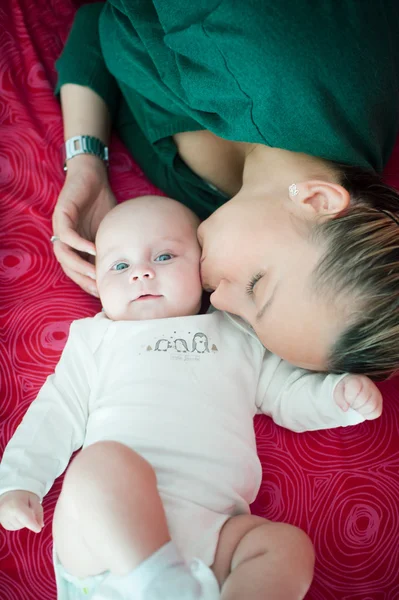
x: 342, y: 403
x: 29, y: 520
x: 339, y: 396
x: 11, y: 524
x: 37, y: 509
x: 20, y: 520
x: 369, y: 402
x: 373, y: 408
x: 374, y: 414
x: 353, y: 388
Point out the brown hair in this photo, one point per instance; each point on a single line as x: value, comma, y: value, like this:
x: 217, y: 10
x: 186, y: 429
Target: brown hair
x: 361, y: 263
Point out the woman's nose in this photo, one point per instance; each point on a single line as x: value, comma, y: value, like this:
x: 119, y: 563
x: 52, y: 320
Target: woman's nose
x: 221, y: 298
x: 141, y: 273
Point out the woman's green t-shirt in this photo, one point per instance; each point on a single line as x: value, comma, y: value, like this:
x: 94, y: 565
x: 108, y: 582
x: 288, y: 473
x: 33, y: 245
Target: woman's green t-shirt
x: 315, y: 77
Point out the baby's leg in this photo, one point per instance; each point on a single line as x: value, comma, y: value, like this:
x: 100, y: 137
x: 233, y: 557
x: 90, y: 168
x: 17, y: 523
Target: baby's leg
x: 257, y: 559
x: 109, y: 516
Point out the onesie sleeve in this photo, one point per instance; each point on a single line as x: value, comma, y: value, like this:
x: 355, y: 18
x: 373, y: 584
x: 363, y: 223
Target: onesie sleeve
x: 82, y: 61
x: 300, y: 400
x: 54, y: 424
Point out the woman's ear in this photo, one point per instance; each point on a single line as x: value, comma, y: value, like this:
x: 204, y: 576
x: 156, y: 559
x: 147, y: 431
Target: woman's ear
x: 317, y: 197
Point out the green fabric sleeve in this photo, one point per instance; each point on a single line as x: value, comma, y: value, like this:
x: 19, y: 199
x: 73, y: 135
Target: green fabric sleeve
x: 82, y: 62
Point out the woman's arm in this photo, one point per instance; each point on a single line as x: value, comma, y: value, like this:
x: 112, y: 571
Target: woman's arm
x: 84, y: 112
x: 90, y: 98
x: 86, y: 196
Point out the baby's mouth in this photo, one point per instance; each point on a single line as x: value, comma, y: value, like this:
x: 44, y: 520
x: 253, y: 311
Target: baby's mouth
x: 144, y: 297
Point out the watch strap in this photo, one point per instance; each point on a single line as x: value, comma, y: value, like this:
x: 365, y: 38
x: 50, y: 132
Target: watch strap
x: 84, y: 144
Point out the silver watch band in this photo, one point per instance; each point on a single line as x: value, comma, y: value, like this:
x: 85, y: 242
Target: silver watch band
x: 84, y: 144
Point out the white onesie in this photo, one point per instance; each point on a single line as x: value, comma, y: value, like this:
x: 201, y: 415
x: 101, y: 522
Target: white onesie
x: 182, y: 392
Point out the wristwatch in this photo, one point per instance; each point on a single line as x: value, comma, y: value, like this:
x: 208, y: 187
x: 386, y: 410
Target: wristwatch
x: 84, y: 144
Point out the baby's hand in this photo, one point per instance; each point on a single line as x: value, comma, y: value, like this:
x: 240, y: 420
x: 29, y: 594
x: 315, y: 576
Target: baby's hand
x: 19, y: 509
x: 361, y: 394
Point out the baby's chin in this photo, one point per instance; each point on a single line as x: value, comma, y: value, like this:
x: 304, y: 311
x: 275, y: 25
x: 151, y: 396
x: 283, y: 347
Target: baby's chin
x: 148, y: 313
x: 138, y: 315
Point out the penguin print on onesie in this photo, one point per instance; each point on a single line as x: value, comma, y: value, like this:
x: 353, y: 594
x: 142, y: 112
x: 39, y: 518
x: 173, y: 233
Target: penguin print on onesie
x: 195, y: 344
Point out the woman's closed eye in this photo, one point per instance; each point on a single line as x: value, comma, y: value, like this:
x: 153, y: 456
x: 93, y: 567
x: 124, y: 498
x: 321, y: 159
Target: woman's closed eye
x: 252, y: 282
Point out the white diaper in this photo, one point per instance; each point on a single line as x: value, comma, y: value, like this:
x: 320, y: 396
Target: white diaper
x: 70, y: 587
x: 110, y: 587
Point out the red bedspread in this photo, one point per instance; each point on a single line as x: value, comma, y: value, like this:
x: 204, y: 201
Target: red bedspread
x: 341, y: 486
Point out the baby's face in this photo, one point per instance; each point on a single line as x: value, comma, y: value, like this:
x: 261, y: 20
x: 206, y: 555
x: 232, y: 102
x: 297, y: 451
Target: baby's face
x: 148, y: 261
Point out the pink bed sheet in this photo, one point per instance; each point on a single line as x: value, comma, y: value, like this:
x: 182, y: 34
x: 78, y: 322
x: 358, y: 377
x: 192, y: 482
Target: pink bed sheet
x: 341, y: 486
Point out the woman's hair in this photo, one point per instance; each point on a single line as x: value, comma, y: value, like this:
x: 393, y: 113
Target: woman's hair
x: 361, y: 263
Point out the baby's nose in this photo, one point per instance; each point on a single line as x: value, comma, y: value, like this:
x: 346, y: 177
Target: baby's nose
x: 142, y: 272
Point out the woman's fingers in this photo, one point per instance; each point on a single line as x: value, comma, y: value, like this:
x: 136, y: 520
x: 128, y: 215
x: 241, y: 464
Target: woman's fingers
x: 87, y: 284
x: 81, y: 271
x: 71, y: 238
x: 82, y: 204
x: 64, y: 227
x: 69, y: 259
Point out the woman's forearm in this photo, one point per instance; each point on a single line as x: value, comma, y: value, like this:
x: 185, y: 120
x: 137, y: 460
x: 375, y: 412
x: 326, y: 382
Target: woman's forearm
x: 84, y: 113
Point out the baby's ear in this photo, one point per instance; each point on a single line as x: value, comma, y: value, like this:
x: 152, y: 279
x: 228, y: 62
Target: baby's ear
x: 318, y: 198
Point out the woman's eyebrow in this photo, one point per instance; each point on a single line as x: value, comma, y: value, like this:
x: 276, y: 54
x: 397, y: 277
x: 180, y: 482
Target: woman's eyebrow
x: 266, y: 305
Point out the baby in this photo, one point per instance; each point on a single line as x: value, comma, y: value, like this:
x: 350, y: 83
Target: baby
x: 162, y: 400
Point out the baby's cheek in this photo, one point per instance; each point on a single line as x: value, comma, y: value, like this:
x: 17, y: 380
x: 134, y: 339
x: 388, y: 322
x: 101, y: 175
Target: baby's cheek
x: 185, y: 295
x: 110, y: 300
x: 194, y: 286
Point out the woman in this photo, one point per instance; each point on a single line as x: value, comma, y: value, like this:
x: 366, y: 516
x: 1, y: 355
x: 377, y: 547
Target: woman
x: 278, y: 116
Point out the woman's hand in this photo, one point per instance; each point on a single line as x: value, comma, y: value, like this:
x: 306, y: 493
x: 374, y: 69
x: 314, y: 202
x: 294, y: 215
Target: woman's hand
x: 19, y: 509
x: 83, y: 202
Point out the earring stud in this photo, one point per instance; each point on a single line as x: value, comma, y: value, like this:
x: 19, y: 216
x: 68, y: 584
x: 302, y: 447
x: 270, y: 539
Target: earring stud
x: 293, y: 190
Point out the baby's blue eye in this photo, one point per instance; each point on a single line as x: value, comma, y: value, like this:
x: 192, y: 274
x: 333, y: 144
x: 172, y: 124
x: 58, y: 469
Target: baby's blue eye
x: 163, y: 257
x: 120, y: 266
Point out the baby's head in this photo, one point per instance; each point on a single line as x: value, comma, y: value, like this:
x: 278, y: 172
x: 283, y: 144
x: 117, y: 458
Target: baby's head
x: 148, y: 260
